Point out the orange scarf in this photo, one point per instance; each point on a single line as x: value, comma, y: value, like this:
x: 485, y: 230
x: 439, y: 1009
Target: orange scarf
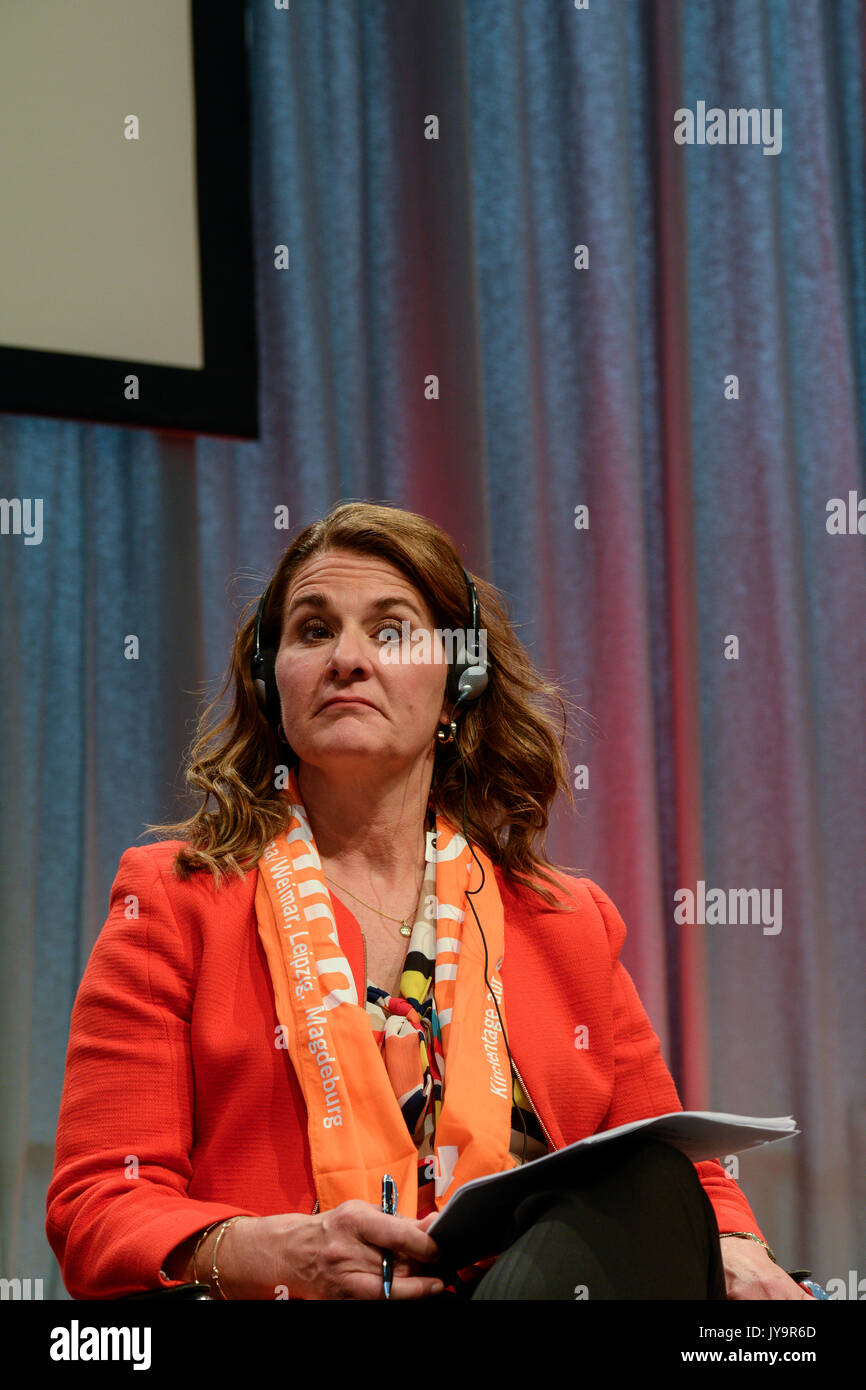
x: 355, y: 1127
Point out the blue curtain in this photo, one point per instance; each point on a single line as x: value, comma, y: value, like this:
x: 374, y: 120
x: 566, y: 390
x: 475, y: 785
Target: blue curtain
x: 695, y: 381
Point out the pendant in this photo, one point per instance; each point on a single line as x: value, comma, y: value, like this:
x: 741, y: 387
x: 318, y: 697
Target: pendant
x: 405, y: 929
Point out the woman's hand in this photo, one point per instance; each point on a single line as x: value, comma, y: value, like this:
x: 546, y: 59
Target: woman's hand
x: 332, y: 1255
x: 751, y: 1274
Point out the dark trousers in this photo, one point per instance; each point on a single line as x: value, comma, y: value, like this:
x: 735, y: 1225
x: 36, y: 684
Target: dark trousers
x: 637, y: 1224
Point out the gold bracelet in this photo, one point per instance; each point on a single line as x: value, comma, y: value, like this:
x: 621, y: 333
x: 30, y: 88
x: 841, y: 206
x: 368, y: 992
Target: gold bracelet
x: 206, y: 1232
x: 751, y: 1236
x: 214, y: 1271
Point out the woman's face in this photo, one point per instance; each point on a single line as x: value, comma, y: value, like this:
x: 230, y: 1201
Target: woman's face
x: 330, y: 650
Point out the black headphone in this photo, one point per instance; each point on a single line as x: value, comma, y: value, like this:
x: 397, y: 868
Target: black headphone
x: 466, y: 680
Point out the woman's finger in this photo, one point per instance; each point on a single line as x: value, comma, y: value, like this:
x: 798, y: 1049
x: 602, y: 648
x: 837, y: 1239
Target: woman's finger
x: 394, y: 1233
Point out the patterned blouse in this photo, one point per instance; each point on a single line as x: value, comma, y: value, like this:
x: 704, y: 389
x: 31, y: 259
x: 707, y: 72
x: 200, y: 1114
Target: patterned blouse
x: 406, y: 1028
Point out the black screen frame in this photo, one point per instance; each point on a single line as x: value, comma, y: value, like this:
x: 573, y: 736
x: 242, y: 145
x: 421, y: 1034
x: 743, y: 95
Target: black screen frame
x: 221, y: 398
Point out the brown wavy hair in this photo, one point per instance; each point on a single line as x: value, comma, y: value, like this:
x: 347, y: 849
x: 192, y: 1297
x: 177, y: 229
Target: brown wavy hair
x: 515, y: 756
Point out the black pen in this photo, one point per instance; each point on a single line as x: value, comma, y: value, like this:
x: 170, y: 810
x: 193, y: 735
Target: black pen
x: 389, y: 1207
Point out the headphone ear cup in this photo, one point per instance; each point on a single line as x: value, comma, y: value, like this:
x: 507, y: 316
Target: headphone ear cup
x: 466, y: 681
x: 259, y: 684
x: 265, y: 682
x: 467, y: 668
x: 263, y: 673
x: 472, y: 682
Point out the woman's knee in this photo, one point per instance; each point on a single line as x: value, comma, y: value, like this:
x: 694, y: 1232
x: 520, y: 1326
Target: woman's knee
x: 637, y: 1176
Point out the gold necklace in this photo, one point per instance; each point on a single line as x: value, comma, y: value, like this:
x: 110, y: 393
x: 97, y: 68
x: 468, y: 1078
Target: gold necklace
x: 405, y: 924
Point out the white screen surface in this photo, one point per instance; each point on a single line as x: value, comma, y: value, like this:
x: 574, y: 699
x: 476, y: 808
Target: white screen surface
x: 99, y: 250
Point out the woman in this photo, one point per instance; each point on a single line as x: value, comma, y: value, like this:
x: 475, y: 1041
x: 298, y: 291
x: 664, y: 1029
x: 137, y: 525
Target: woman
x: 322, y: 981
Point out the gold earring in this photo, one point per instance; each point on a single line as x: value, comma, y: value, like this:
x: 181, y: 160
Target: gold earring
x: 440, y: 734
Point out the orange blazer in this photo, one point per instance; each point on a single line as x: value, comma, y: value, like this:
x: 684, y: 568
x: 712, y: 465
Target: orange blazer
x: 178, y: 1109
